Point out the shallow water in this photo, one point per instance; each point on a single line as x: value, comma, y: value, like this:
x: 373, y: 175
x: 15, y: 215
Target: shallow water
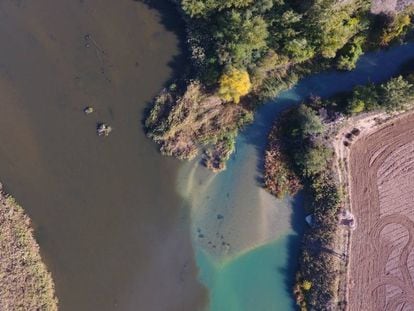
x: 249, y: 281
x: 252, y: 224
x: 109, y: 221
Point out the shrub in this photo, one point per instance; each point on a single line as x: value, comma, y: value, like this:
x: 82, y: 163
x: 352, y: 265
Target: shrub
x: 356, y: 106
x: 306, y: 285
x: 395, y: 28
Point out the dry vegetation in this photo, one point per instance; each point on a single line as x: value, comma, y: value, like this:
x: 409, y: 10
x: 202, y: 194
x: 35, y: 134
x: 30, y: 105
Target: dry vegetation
x: 25, y: 282
x: 279, y: 178
x: 197, y: 121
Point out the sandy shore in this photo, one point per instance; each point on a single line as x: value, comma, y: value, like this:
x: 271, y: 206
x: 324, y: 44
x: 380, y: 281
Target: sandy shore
x: 231, y: 212
x: 25, y: 281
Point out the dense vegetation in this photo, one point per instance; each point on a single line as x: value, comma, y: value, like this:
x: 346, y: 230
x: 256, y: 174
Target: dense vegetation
x: 309, y: 156
x: 246, y: 52
x: 300, y: 139
x: 395, y: 94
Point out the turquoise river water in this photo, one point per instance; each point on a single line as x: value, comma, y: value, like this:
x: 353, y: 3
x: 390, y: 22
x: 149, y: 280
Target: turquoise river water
x: 246, y: 241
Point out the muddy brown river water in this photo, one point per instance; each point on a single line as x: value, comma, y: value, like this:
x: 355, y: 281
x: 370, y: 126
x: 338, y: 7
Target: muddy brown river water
x: 109, y: 222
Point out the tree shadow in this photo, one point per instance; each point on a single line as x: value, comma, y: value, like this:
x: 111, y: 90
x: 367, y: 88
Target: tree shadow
x: 172, y: 21
x: 294, y: 241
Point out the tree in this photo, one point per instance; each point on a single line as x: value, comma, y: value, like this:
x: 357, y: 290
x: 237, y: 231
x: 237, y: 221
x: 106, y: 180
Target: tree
x: 396, y: 93
x: 332, y: 25
x: 234, y: 84
x: 395, y: 28
x: 201, y: 8
x: 299, y: 50
x: 350, y: 54
x: 309, y: 123
x: 238, y: 36
x: 366, y: 94
x: 314, y: 160
x: 194, y: 7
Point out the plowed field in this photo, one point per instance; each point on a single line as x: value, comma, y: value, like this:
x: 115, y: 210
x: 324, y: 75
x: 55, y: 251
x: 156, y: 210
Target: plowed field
x: 382, y: 197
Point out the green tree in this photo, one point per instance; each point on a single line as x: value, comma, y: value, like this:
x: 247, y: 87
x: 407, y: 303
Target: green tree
x: 332, y: 25
x: 396, y: 93
x: 299, y: 50
x: 313, y: 160
x: 395, y: 28
x: 308, y: 122
x: 350, y: 54
x: 367, y: 94
x: 238, y: 36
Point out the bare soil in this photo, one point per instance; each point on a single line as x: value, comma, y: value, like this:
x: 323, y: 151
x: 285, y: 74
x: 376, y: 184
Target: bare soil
x: 381, y: 266
x: 389, y: 6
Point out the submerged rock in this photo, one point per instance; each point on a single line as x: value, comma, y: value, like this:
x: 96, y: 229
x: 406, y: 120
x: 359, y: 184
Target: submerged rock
x: 103, y: 129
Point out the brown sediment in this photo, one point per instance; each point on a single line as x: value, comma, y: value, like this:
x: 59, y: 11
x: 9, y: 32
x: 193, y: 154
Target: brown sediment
x: 378, y: 274
x: 25, y: 281
x: 110, y: 225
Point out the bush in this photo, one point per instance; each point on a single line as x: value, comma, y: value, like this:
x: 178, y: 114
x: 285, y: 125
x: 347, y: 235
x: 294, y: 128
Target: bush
x: 395, y: 28
x: 306, y: 285
x: 356, y: 106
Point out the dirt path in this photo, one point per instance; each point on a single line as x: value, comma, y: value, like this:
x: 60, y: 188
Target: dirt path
x: 381, y: 164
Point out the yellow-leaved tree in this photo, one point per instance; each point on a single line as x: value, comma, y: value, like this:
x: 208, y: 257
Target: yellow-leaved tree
x: 234, y: 84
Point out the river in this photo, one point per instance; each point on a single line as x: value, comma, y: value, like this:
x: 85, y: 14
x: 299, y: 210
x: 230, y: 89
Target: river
x: 247, y: 241
x: 119, y: 226
x: 107, y: 217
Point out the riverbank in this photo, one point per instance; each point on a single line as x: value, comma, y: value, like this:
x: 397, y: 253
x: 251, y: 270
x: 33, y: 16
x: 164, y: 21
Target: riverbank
x: 304, y: 137
x: 26, y: 284
x: 232, y: 73
x: 237, y: 194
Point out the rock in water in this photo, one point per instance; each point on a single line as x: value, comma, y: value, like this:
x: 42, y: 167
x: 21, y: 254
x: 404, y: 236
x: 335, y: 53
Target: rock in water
x: 103, y: 129
x: 88, y: 110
